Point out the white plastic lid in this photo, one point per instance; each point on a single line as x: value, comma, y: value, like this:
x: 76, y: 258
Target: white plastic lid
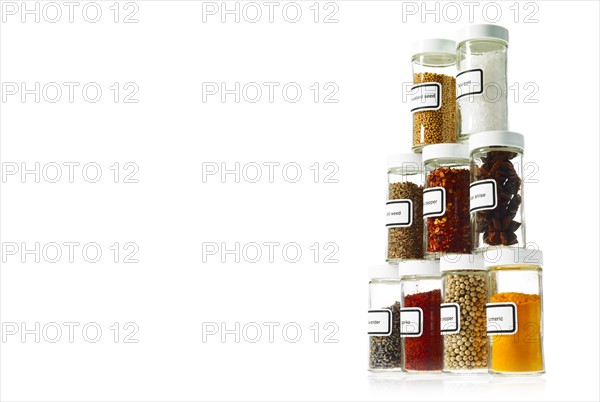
x: 399, y: 160
x: 453, y: 262
x: 434, y: 45
x: 482, y: 31
x: 445, y: 151
x: 383, y: 271
x: 419, y: 267
x: 507, y: 256
x: 496, y: 138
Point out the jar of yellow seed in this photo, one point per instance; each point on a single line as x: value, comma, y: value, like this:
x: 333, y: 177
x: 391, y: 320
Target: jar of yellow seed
x: 433, y: 95
x: 514, y: 311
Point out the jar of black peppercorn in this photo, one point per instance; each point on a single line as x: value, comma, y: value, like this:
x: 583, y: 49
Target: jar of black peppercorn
x: 447, y: 226
x: 496, y: 194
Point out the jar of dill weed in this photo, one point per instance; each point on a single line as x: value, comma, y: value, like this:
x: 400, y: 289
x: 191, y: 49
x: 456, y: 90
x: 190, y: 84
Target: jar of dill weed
x: 446, y: 200
x: 463, y: 319
x: 481, y: 83
x: 420, y: 316
x: 404, y: 207
x: 385, y: 348
x: 433, y: 95
x: 514, y: 313
x: 497, y: 213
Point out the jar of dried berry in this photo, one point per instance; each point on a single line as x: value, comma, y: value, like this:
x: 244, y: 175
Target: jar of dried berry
x: 463, y: 313
x: 515, y: 313
x: 497, y: 213
x: 420, y: 316
x: 481, y: 83
x: 446, y: 200
x: 404, y: 207
x: 433, y: 95
x: 385, y: 344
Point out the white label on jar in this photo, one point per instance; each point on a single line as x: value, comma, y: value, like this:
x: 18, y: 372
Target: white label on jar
x: 426, y: 96
x: 380, y: 322
x: 450, y: 318
x: 483, y: 195
x: 469, y: 82
x: 501, y: 318
x: 411, y: 322
x: 434, y: 202
x: 398, y: 213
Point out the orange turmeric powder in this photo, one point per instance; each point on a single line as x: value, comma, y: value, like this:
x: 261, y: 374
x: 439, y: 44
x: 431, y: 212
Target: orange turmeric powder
x: 521, y: 352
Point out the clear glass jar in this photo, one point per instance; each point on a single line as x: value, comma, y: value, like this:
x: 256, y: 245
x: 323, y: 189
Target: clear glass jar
x: 385, y: 344
x: 481, y: 83
x: 422, y: 340
x: 515, y: 313
x: 497, y: 202
x: 463, y: 319
x: 433, y: 95
x: 404, y: 207
x: 446, y: 200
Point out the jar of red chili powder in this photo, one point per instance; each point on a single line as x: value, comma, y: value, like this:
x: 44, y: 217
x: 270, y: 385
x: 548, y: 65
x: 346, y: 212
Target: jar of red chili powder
x: 421, y: 287
x: 446, y: 200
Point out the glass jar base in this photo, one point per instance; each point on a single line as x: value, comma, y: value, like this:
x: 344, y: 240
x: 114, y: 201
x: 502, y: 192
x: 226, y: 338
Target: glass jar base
x: 517, y: 373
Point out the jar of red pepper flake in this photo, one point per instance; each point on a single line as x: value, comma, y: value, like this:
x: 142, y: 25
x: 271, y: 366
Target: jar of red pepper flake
x: 446, y: 200
x: 421, y: 287
x: 497, y: 214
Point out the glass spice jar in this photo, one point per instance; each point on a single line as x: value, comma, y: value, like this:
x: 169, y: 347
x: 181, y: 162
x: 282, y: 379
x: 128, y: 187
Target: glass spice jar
x: 433, y: 95
x: 420, y: 316
x: 515, y: 313
x: 404, y: 207
x: 496, y: 194
x: 385, y: 348
x: 481, y: 83
x: 463, y: 319
x: 446, y: 200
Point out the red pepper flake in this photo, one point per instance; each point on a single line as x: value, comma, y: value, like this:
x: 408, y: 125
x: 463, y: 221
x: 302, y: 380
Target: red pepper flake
x: 426, y: 352
x: 450, y: 233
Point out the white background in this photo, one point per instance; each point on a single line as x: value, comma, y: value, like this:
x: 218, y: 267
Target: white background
x: 169, y: 53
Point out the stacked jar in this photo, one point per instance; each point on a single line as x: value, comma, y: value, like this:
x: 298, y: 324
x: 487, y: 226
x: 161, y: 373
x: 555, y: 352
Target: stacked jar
x: 433, y: 95
x: 385, y: 346
x: 481, y: 83
x: 446, y: 200
x: 496, y: 194
x: 420, y: 316
x: 404, y: 207
x: 515, y: 314
x: 463, y: 318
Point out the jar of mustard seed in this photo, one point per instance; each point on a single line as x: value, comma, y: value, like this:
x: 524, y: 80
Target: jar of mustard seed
x: 433, y: 95
x: 385, y: 343
x: 446, y: 200
x: 463, y: 313
x: 496, y: 193
x: 514, y: 312
x: 404, y: 207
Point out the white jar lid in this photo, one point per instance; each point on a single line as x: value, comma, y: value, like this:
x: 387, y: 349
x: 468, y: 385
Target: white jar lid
x: 419, y: 267
x: 445, y: 151
x: 454, y: 262
x: 509, y: 256
x: 399, y: 160
x: 482, y: 31
x: 384, y: 271
x: 434, y: 45
x: 496, y: 138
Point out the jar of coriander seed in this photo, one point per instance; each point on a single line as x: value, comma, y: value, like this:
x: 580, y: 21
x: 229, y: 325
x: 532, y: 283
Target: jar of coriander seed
x: 463, y: 313
x: 433, y: 94
x: 404, y: 207
x: 514, y: 312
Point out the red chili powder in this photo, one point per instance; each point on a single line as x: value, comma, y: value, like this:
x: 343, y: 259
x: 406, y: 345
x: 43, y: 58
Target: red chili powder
x: 425, y: 353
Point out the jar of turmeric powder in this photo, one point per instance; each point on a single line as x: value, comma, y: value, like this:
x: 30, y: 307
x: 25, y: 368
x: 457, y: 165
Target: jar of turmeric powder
x: 514, y: 312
